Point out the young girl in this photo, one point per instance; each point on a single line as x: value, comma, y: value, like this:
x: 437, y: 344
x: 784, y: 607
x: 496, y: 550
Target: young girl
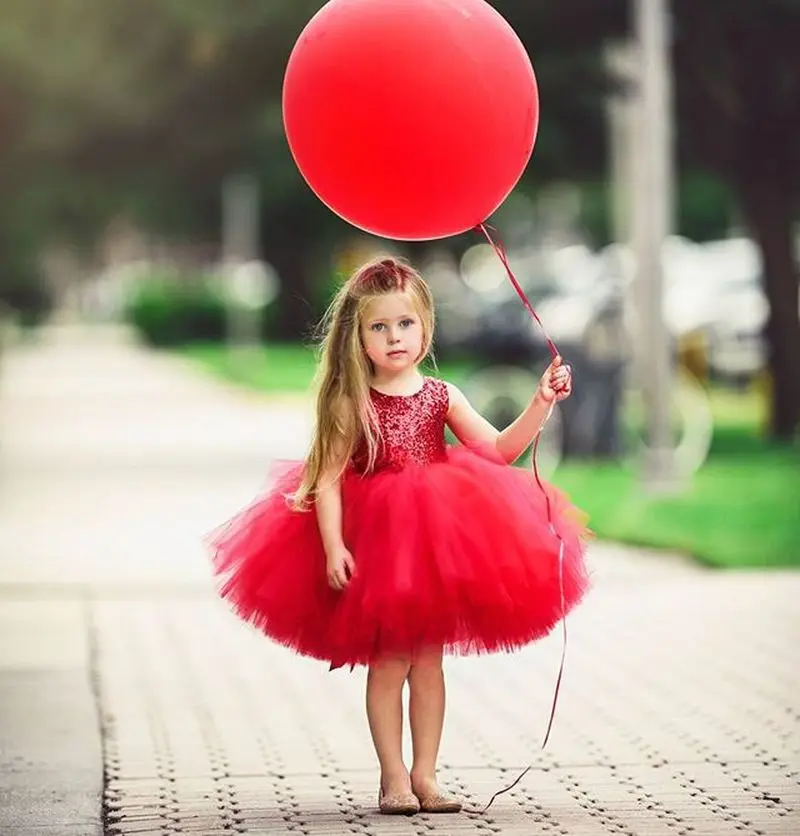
x: 388, y: 548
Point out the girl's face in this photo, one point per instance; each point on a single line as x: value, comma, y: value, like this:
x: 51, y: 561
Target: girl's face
x: 391, y: 333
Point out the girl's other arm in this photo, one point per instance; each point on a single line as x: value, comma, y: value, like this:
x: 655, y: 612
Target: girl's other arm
x: 328, y: 499
x: 340, y: 566
x: 329, y: 511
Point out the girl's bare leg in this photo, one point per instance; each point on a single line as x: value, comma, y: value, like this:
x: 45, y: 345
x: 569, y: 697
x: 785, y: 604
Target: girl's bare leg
x: 426, y: 710
x: 385, y: 682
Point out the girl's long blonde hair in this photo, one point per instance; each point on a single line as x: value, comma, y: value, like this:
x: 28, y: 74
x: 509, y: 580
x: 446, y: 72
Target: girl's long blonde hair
x: 345, y: 416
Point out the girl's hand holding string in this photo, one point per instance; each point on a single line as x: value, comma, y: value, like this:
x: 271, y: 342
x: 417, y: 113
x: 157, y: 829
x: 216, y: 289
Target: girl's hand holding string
x: 556, y: 382
x: 341, y: 567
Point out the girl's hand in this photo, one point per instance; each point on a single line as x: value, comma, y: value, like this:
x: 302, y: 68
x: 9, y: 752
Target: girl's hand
x: 556, y: 382
x: 341, y: 568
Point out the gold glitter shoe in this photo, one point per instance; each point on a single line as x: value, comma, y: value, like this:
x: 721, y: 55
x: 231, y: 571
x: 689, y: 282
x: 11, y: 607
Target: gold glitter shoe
x: 400, y: 804
x: 439, y: 803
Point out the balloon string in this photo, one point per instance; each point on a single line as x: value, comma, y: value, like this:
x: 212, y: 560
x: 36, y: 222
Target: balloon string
x: 498, y: 247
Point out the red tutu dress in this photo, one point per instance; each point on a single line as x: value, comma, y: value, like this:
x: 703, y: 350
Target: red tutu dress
x: 452, y: 548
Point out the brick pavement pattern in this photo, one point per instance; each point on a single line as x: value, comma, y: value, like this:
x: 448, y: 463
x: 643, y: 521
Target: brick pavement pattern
x: 679, y: 713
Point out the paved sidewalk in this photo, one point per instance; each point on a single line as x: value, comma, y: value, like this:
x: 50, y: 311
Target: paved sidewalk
x: 679, y: 714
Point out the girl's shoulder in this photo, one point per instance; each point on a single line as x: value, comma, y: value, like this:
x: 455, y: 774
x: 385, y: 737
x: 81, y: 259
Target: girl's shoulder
x: 441, y: 390
x: 455, y: 397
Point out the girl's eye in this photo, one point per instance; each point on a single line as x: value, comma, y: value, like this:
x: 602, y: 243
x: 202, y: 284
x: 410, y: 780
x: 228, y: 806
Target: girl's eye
x: 407, y: 323
x: 377, y: 326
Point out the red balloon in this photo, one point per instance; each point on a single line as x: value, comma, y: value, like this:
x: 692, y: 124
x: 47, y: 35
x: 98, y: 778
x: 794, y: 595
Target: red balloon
x: 411, y: 119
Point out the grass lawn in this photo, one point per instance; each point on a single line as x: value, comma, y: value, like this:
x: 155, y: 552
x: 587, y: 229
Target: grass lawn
x: 741, y: 510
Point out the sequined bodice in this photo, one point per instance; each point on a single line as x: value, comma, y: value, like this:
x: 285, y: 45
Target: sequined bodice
x: 412, y: 427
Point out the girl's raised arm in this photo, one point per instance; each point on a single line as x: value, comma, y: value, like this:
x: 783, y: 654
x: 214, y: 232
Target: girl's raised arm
x: 470, y: 427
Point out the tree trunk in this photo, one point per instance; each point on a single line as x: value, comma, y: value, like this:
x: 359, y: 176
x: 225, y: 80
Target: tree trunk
x: 296, y: 319
x: 767, y: 205
x: 286, y: 249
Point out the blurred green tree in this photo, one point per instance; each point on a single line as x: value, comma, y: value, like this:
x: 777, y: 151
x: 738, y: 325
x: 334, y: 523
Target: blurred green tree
x: 738, y: 103
x: 737, y: 98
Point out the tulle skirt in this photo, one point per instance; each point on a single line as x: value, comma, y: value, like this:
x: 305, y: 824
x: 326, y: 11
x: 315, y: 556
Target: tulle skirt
x: 457, y: 554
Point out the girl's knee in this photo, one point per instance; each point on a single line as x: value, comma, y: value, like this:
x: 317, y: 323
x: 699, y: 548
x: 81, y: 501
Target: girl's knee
x: 428, y: 660
x: 390, y: 668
